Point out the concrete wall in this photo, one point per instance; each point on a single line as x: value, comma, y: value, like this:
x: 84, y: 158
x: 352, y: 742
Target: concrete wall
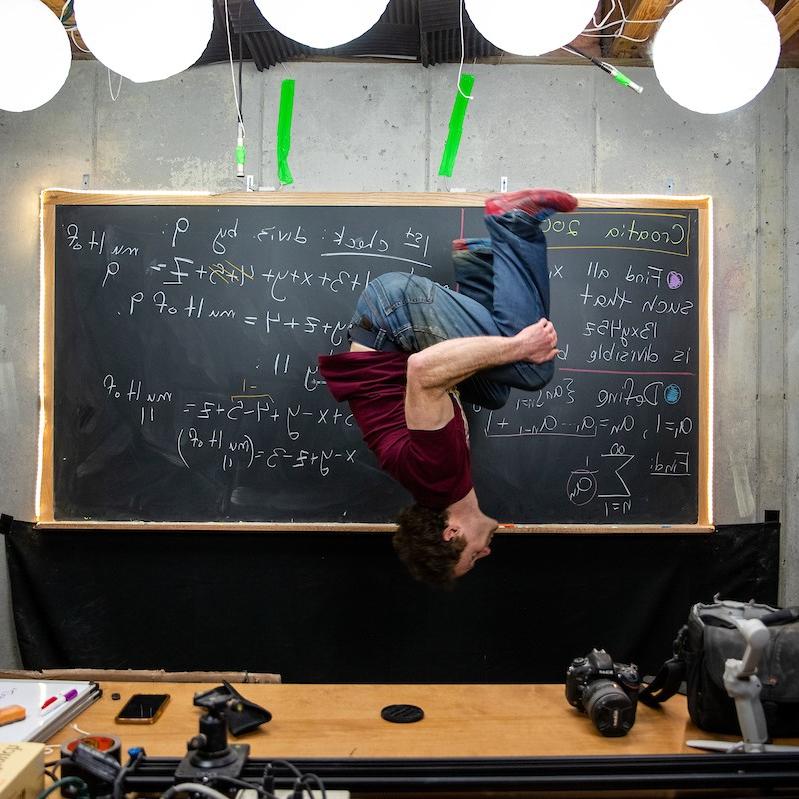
x: 790, y: 340
x: 366, y: 127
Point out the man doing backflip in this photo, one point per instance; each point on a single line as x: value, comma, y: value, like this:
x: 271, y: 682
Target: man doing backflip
x: 418, y: 349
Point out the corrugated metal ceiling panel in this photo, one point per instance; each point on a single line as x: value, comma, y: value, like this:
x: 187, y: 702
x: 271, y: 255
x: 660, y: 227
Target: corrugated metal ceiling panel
x: 425, y: 31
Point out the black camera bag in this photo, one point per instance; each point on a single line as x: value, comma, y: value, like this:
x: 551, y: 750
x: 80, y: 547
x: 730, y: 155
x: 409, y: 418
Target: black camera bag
x: 701, y: 649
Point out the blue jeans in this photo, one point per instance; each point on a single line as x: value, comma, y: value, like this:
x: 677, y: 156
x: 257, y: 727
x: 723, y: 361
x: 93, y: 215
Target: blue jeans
x: 502, y: 287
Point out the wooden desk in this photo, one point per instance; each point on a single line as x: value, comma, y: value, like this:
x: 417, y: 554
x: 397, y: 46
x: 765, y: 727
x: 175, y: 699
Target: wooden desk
x: 344, y: 721
x: 322, y: 727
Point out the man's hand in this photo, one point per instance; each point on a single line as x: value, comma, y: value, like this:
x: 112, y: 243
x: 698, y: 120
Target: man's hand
x: 538, y: 343
x: 435, y: 370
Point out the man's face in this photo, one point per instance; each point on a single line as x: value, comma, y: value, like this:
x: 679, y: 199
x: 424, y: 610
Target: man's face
x: 478, y: 535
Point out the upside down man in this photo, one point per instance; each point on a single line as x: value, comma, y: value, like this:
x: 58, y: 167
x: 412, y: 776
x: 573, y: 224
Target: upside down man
x: 419, y: 349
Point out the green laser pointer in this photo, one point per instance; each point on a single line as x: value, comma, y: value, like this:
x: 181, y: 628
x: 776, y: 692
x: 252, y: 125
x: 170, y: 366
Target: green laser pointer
x: 620, y: 77
x: 616, y: 74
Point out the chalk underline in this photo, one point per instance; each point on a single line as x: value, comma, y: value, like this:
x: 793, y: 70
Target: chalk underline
x: 612, y: 372
x: 375, y: 255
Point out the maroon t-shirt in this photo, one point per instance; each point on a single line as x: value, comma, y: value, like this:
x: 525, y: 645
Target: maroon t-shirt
x: 434, y: 465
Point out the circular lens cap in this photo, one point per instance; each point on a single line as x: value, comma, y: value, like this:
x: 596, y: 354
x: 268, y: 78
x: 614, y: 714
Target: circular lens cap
x: 402, y: 714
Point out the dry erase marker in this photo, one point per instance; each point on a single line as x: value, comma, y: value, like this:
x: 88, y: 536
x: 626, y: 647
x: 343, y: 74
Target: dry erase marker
x: 63, y: 698
x: 49, y: 701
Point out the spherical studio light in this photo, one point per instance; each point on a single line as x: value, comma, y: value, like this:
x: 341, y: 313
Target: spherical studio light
x: 713, y: 56
x: 35, y: 56
x: 145, y: 40
x: 530, y: 27
x: 322, y: 23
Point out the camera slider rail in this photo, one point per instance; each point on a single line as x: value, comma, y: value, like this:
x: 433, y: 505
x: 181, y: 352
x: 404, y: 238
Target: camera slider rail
x: 144, y: 774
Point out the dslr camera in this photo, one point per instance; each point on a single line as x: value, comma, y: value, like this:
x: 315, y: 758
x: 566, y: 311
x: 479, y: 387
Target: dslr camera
x: 606, y: 691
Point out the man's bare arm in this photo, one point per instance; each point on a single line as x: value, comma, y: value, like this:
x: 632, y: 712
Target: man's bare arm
x: 435, y: 370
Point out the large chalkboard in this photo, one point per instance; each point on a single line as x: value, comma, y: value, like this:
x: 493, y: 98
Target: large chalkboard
x: 181, y: 380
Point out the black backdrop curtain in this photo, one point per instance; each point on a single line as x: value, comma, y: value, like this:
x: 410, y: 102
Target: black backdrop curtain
x: 340, y: 608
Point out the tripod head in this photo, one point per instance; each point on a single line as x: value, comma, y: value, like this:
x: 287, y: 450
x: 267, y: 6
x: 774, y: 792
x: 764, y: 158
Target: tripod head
x: 210, y: 748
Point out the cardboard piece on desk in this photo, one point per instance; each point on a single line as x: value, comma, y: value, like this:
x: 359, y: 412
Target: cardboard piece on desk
x: 142, y: 675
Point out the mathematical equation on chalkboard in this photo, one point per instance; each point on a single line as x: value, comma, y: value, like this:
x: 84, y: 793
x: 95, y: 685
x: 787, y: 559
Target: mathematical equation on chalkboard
x: 196, y: 331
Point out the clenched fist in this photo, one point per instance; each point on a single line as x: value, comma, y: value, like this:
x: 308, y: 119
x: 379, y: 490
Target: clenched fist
x: 538, y: 343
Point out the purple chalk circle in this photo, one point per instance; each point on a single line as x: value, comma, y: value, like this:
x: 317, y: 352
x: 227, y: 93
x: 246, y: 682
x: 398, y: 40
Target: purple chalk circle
x: 674, y: 280
x: 582, y: 487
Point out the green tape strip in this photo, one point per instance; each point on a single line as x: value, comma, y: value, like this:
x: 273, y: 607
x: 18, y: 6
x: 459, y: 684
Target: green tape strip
x: 456, y: 126
x: 284, y: 131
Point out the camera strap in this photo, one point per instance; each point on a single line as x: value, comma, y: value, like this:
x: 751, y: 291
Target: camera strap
x: 669, y: 679
x: 666, y: 683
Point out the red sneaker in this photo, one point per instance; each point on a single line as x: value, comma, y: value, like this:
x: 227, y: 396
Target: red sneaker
x: 535, y: 202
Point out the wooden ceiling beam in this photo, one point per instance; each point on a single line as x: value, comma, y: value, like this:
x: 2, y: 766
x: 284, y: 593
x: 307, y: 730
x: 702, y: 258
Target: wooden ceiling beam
x: 638, y: 27
x: 55, y: 6
x: 788, y: 20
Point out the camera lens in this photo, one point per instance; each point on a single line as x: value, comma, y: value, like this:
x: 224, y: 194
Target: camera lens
x: 609, y: 707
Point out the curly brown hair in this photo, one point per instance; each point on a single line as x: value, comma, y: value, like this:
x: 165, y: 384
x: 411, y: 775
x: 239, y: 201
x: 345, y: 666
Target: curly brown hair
x: 419, y: 542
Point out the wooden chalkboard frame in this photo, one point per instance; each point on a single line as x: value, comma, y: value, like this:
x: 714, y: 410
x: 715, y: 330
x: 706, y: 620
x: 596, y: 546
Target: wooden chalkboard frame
x: 52, y: 198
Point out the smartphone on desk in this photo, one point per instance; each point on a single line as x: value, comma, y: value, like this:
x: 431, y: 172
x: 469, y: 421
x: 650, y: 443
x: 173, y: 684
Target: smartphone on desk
x: 142, y: 709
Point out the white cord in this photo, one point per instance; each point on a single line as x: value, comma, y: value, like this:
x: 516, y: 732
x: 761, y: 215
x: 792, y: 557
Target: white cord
x: 606, y: 17
x: 617, y: 35
x: 620, y: 23
x: 624, y: 19
x: 233, y: 71
x: 70, y: 29
x: 75, y: 41
x: 119, y: 88
x: 78, y: 729
x: 196, y: 787
x: 463, y: 55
